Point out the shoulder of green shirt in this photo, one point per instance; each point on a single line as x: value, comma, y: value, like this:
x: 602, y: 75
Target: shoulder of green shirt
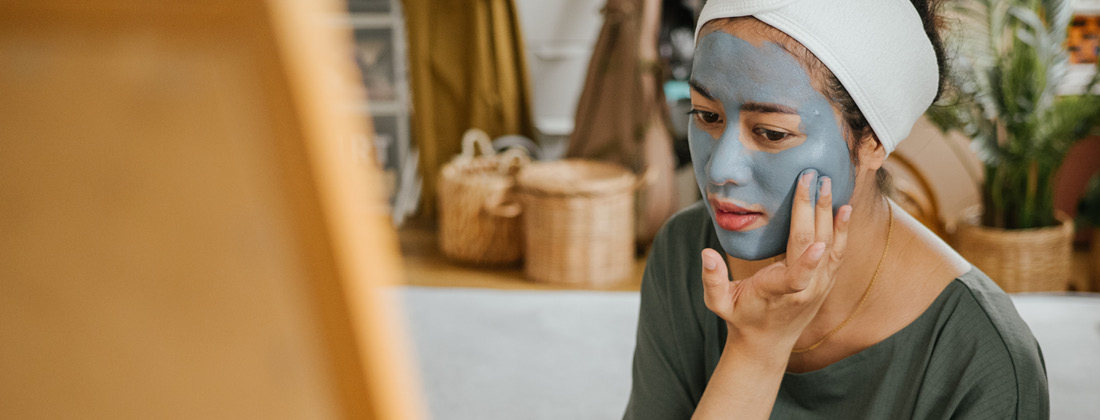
x: 1026, y: 368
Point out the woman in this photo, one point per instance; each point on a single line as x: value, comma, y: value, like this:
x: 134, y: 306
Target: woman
x: 841, y: 305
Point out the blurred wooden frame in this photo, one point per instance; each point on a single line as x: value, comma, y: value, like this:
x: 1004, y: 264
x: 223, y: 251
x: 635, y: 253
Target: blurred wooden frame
x: 186, y: 230
x: 914, y: 193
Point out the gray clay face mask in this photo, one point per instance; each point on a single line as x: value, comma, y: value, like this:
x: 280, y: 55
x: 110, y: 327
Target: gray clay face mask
x: 757, y: 126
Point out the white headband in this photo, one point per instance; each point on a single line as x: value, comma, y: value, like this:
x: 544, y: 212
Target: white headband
x: 878, y: 49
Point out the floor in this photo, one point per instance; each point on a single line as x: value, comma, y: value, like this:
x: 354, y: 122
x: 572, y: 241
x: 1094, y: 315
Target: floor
x: 425, y: 265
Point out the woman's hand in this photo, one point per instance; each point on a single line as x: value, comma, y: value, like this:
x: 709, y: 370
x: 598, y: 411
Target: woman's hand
x: 769, y: 310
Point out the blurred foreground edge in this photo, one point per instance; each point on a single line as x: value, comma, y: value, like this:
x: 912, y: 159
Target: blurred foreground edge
x: 183, y: 231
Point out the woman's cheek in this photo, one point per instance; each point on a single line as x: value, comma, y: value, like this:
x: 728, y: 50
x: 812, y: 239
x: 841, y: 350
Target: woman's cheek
x: 836, y: 162
x: 778, y: 173
x: 701, y: 145
x: 829, y: 156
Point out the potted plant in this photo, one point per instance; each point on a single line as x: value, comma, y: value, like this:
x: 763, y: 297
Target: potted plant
x: 1010, y: 60
x: 1088, y: 211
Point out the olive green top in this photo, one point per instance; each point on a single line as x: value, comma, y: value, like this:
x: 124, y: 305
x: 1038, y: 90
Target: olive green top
x: 968, y: 356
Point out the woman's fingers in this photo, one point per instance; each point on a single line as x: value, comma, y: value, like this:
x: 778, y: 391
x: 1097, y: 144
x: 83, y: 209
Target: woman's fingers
x: 802, y: 216
x: 801, y: 273
x: 716, y: 284
x: 823, y: 212
x: 840, y: 237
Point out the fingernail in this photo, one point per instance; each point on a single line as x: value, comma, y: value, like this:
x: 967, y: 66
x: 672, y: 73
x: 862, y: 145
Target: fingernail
x: 816, y: 250
x: 708, y: 262
x: 847, y: 214
x: 826, y: 186
x: 807, y: 178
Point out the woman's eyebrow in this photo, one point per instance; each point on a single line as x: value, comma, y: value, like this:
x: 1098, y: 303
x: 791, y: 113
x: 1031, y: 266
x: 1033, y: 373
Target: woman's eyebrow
x: 767, y: 108
x: 700, y: 89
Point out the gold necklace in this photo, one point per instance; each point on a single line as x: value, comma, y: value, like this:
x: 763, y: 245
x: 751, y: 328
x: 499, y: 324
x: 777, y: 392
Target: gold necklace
x: 867, y: 292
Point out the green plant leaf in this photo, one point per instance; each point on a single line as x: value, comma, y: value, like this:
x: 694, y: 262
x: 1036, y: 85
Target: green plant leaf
x: 1010, y: 62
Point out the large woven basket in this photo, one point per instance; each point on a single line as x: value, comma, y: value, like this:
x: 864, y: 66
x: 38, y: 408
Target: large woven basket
x: 578, y: 221
x: 478, y: 212
x: 1019, y: 260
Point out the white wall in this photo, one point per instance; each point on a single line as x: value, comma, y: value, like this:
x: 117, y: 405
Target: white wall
x: 949, y: 165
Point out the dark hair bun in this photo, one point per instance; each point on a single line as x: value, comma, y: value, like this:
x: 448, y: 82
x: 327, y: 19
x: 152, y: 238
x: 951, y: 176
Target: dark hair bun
x: 929, y: 11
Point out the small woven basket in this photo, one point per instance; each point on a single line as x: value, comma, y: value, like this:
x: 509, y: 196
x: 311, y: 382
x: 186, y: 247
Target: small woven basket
x: 478, y: 213
x: 1019, y: 260
x: 578, y: 221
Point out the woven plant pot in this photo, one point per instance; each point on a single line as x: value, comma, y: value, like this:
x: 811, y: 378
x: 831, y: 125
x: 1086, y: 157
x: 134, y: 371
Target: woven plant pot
x: 578, y: 222
x: 1019, y: 260
x: 479, y: 220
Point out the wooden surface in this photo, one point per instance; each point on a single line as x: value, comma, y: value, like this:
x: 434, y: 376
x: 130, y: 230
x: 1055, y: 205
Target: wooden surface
x: 185, y: 234
x: 425, y: 265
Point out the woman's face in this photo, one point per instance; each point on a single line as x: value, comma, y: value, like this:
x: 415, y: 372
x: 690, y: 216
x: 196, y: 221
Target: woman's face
x: 758, y: 123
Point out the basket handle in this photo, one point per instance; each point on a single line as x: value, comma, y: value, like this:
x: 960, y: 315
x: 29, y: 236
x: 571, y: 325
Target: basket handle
x: 481, y: 139
x: 514, y: 156
x: 498, y: 205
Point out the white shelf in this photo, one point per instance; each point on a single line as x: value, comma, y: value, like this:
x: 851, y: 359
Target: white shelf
x: 369, y: 21
x: 384, y: 26
x: 382, y: 108
x: 554, y: 126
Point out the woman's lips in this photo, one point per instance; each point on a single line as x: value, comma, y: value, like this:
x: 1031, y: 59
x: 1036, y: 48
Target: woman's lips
x: 732, y: 217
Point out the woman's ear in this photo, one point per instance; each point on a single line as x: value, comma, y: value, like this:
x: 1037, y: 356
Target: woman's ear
x: 872, y: 154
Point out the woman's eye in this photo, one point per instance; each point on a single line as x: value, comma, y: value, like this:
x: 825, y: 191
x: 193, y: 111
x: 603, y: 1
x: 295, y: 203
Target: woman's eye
x: 771, y: 135
x: 704, y: 116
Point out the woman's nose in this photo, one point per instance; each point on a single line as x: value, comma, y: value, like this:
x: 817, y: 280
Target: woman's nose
x: 730, y: 161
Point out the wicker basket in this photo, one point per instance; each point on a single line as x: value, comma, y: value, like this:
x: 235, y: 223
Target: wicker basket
x: 1019, y: 260
x: 478, y: 213
x: 579, y: 222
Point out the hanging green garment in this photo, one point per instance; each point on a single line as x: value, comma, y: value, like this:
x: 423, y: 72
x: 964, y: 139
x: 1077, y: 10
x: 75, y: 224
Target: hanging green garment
x: 467, y: 70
